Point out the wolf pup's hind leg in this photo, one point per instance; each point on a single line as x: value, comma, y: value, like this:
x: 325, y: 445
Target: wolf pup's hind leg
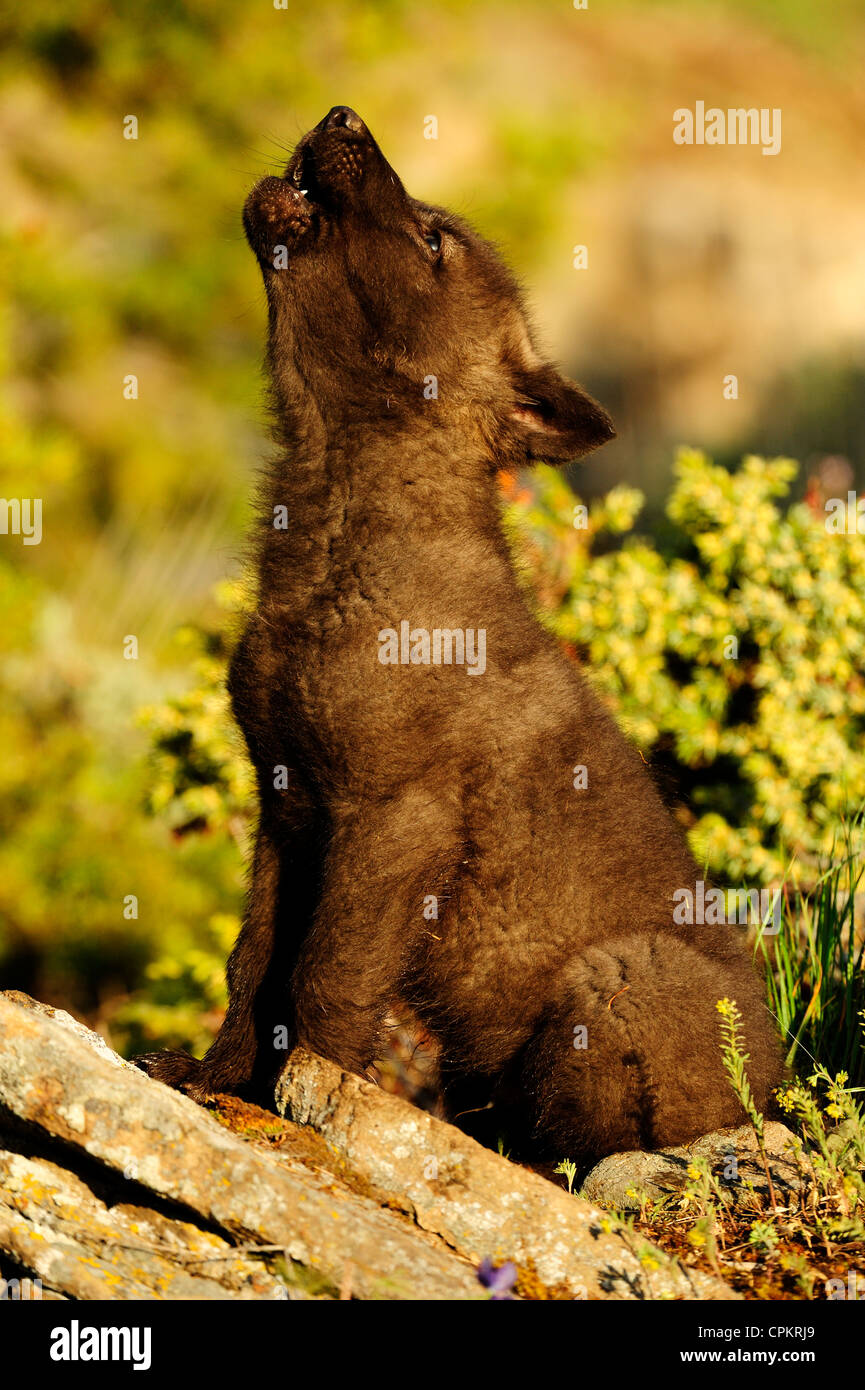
x: 631, y: 1058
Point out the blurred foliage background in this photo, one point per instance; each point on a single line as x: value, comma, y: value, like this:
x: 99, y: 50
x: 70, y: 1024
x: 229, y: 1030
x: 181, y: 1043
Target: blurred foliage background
x: 554, y: 130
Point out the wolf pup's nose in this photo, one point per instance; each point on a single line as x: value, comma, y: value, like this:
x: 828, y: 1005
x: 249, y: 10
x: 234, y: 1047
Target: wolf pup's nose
x: 343, y: 116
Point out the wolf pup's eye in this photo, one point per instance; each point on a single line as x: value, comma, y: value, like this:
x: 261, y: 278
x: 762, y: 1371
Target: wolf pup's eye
x: 433, y: 241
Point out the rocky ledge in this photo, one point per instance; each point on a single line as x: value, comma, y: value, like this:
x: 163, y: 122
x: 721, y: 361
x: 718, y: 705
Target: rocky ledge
x: 113, y: 1186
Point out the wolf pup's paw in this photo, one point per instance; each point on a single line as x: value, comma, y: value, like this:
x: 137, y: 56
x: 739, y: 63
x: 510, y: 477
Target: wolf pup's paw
x: 173, y: 1068
x: 198, y: 1080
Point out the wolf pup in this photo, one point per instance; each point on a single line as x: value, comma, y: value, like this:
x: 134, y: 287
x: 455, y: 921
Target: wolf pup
x: 414, y: 729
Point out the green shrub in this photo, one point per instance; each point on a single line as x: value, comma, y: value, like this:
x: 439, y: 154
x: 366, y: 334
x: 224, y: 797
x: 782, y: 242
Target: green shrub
x: 731, y: 649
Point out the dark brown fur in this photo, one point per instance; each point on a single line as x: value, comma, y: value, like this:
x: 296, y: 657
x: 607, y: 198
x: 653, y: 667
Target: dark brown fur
x: 406, y: 781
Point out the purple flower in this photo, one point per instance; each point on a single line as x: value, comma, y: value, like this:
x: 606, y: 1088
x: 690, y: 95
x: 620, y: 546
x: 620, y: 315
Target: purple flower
x: 499, y: 1280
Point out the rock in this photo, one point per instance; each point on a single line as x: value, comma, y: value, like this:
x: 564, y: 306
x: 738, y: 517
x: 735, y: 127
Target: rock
x: 663, y: 1173
x: 114, y: 1186
x: 80, y: 1030
x: 477, y: 1202
x: 53, y: 1223
x: 142, y: 1144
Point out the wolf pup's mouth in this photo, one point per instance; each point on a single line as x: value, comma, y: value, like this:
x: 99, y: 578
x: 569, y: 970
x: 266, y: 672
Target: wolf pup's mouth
x: 327, y: 174
x: 300, y: 175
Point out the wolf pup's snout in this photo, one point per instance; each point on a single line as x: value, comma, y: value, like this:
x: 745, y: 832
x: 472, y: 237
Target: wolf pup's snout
x: 342, y: 116
x: 332, y: 166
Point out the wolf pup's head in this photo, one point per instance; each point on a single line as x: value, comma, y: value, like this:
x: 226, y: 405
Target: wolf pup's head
x: 382, y: 306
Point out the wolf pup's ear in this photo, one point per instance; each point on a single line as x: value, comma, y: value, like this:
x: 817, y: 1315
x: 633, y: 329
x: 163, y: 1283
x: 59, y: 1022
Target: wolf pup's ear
x: 555, y: 418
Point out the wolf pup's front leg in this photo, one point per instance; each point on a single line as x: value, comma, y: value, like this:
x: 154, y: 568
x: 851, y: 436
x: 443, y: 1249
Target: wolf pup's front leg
x: 381, y: 863
x: 244, y: 1056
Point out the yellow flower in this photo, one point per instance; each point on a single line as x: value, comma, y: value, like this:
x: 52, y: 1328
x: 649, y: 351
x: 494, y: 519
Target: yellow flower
x: 693, y: 1171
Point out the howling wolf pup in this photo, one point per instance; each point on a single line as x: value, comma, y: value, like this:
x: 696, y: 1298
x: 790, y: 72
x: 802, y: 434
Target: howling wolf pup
x: 422, y: 837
